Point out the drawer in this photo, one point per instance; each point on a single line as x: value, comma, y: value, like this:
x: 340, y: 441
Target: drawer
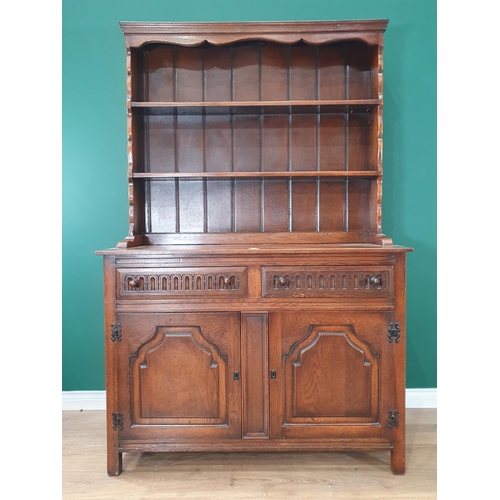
x: 328, y: 281
x: 173, y: 283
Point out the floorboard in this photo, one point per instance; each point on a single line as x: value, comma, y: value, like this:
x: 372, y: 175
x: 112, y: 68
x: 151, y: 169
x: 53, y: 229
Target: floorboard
x: 218, y: 476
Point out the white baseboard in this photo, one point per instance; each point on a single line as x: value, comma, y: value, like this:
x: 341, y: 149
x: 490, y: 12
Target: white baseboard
x: 96, y: 400
x: 84, y: 400
x: 421, y: 398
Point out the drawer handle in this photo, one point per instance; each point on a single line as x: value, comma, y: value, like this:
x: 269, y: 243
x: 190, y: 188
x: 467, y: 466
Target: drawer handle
x: 228, y: 281
x: 283, y: 281
x: 133, y: 283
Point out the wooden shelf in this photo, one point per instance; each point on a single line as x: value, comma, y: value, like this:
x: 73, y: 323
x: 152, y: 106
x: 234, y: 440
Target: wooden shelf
x: 257, y: 137
x: 262, y: 107
x: 219, y: 175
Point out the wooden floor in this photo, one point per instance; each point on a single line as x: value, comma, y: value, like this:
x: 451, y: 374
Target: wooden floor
x: 317, y: 476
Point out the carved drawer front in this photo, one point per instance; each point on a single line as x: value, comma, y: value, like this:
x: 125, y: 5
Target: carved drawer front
x: 328, y: 281
x: 181, y: 283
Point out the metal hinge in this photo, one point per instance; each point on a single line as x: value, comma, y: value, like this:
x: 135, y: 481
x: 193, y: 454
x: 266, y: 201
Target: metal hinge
x: 394, y: 332
x: 393, y: 419
x: 116, y: 332
x: 117, y: 421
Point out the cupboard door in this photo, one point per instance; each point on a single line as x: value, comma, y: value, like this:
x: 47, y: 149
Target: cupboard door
x: 179, y: 376
x: 330, y: 374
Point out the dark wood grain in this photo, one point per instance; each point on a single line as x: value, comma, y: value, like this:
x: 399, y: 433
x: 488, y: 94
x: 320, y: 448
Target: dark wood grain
x: 398, y: 454
x: 278, y: 105
x: 253, y: 174
x: 247, y: 72
x: 188, y: 74
x: 303, y: 72
x: 250, y: 304
x: 114, y: 457
x: 160, y: 73
x: 331, y: 206
x: 358, y: 204
x: 194, y: 34
x: 359, y: 64
x: 180, y: 368
x: 163, y: 206
x: 303, y: 206
x: 255, y: 376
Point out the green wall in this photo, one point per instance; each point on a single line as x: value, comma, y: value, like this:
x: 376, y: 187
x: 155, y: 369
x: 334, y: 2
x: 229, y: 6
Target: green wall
x: 95, y: 210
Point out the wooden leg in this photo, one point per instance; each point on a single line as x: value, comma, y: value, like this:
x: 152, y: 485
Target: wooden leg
x: 399, y: 350
x: 398, y: 459
x: 114, y: 464
x: 114, y: 417
x: 114, y: 457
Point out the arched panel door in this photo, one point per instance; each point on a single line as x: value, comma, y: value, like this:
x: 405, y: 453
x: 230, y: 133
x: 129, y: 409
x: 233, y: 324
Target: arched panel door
x: 178, y: 376
x: 332, y: 375
x: 177, y: 380
x: 329, y: 370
